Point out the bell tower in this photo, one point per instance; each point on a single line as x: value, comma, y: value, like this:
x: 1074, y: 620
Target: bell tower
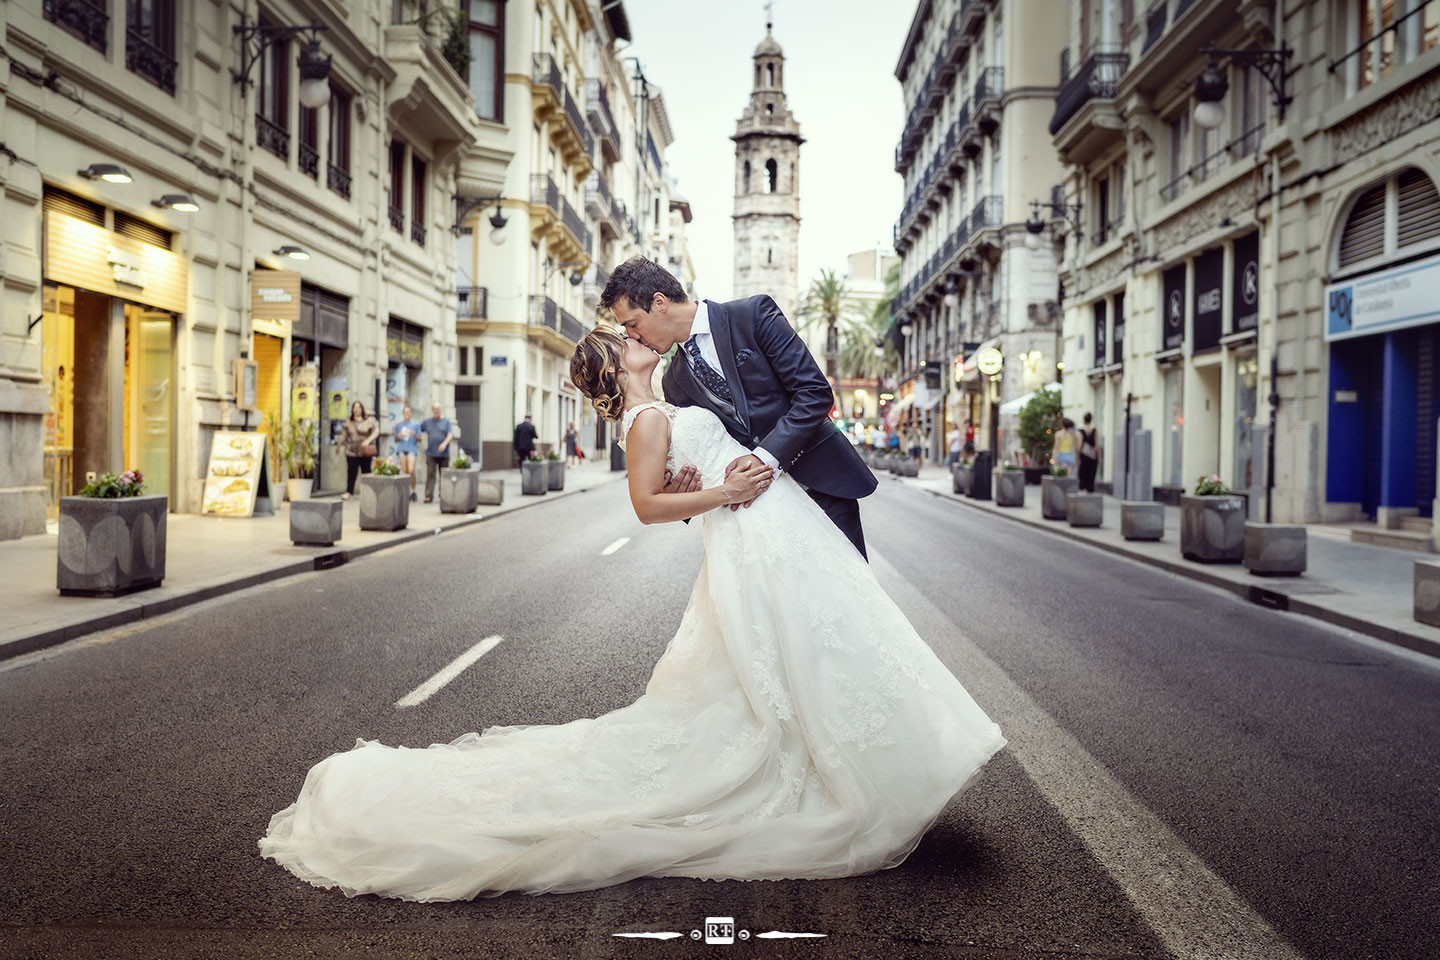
x: 767, y: 186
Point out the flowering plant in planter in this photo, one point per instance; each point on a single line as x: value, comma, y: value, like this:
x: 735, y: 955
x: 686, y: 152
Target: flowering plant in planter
x: 109, y: 486
x: 552, y: 455
x: 1008, y: 465
x: 1210, y: 486
x: 535, y: 455
x: 1059, y: 470
x: 462, y: 461
x: 386, y: 467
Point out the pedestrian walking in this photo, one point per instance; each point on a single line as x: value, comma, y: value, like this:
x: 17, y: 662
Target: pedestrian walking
x: 407, y: 443
x: 524, y: 440
x: 1065, y: 444
x: 358, y: 438
x: 439, y: 434
x: 1089, y: 455
x: 913, y: 440
x: 572, y: 441
x: 953, y: 442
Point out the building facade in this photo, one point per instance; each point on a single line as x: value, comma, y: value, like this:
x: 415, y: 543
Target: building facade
x: 215, y: 219
x: 767, y: 186
x: 1271, y: 236
x: 978, y: 316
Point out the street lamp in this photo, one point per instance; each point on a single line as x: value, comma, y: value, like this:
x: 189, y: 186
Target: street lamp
x: 314, y: 69
x: 1070, y: 212
x: 1210, y: 89
x: 176, y: 201
x: 464, y: 205
x: 952, y: 294
x: 109, y: 172
x: 293, y: 252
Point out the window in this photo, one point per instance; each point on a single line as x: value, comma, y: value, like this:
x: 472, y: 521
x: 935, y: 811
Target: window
x: 84, y: 18
x: 150, y: 41
x: 397, y: 185
x: 486, y: 23
x: 1252, y: 111
x: 770, y: 75
x: 272, y: 98
x: 310, y: 142
x: 1394, y: 219
x: 1102, y: 209
x: 339, y: 163
x: 772, y: 175
x: 769, y: 109
x: 417, y: 200
x: 745, y: 178
x: 1383, y: 34
x: 1179, y: 134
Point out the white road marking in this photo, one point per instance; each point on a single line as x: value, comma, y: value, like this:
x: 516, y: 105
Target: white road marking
x: 614, y: 546
x: 452, y: 670
x: 1193, y: 911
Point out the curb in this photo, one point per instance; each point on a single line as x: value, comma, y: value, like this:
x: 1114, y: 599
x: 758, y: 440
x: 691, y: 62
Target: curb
x: 329, y: 559
x: 1255, y: 593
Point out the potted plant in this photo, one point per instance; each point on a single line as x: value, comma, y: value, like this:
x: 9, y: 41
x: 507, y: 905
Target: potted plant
x: 964, y: 478
x: 295, y: 442
x: 112, y: 538
x: 555, y: 471
x: 1054, y: 488
x: 1038, y: 419
x: 1212, y: 523
x: 459, y: 485
x: 1009, y: 481
x: 384, y: 497
x: 534, y: 475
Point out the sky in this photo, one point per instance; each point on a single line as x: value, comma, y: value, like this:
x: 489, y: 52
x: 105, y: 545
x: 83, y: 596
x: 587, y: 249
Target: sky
x: 840, y: 60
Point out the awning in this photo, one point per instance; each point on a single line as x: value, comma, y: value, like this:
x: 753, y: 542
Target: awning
x: 1012, y: 408
x: 903, y: 404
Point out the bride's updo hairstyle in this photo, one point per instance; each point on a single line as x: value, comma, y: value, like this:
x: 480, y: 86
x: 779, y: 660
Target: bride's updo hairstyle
x: 595, y: 369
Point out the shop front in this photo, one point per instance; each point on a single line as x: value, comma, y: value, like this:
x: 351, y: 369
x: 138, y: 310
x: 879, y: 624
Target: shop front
x: 113, y: 295
x: 405, y: 380
x: 320, y: 379
x: 1383, y: 331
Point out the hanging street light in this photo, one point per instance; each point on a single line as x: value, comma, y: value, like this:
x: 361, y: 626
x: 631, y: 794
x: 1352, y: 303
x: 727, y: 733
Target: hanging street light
x: 1212, y: 86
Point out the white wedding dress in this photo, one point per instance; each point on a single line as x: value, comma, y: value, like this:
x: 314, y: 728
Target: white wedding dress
x: 795, y: 727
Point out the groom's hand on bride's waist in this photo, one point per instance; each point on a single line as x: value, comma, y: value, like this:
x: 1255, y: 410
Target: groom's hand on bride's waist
x: 749, y: 461
x: 686, y: 481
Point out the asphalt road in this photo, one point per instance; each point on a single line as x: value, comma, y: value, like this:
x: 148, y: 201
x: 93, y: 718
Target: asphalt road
x: 1188, y: 775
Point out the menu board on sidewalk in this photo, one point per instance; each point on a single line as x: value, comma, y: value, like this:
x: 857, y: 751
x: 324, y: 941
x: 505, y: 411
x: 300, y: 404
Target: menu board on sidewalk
x: 237, y: 483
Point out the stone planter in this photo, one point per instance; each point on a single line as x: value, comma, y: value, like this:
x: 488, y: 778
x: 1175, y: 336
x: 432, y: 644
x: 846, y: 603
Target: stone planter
x: 555, y: 474
x: 489, y: 490
x: 384, y: 502
x: 964, y: 477
x: 316, y: 523
x: 110, y: 546
x: 1009, y: 487
x: 1275, y: 549
x: 1212, y: 529
x: 908, y: 468
x: 1142, y: 520
x: 459, y: 490
x: 1427, y: 592
x: 533, y: 477
x: 1053, y: 491
x: 299, y: 488
x: 1084, y: 509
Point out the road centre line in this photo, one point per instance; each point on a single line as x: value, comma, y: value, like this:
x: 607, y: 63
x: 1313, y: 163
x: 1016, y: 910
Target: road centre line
x: 614, y: 546
x: 1190, y: 908
x: 452, y: 670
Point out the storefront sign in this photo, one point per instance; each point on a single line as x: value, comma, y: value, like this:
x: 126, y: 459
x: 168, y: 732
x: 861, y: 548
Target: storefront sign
x: 405, y: 343
x: 238, y: 476
x: 990, y: 361
x: 1173, y: 332
x: 1209, y: 299
x: 304, y: 382
x: 1245, y: 284
x: 275, y: 295
x: 1384, y: 300
x: 80, y: 254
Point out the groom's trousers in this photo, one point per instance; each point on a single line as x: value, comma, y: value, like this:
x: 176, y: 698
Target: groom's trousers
x: 845, y: 514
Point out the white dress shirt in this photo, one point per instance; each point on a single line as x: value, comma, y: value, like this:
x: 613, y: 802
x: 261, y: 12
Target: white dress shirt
x: 700, y: 331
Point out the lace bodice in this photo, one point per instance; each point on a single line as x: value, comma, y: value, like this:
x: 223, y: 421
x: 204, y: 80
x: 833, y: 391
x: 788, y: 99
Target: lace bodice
x: 697, y: 438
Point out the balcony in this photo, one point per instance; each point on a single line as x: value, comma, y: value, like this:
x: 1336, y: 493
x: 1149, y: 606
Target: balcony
x: 986, y: 216
x: 570, y: 328
x: 971, y: 15
x: 272, y: 137
x: 597, y: 197
x: 338, y: 179
x: 544, y: 312
x: 595, y: 282
x: 397, y: 219
x: 554, y: 105
x: 988, y: 90
x: 1085, y: 118
x: 142, y: 56
x: 576, y: 226
x: 472, y: 303
x: 86, y: 19
x: 969, y: 137
x: 597, y: 106
x: 309, y: 160
x: 417, y: 232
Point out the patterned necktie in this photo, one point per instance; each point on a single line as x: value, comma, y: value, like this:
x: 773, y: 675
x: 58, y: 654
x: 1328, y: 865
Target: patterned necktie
x: 706, y: 373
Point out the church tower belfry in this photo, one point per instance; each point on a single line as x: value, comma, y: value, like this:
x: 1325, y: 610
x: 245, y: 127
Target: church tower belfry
x: 767, y: 186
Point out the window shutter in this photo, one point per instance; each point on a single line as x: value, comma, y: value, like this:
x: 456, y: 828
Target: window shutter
x: 1419, y: 214
x: 1364, y: 235
x: 62, y: 201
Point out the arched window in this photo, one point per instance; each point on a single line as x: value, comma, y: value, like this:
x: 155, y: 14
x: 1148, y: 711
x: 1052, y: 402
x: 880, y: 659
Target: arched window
x: 1391, y: 219
x: 757, y: 74
x: 745, y: 178
x: 769, y: 254
x: 772, y: 175
x: 769, y: 109
x: 770, y: 75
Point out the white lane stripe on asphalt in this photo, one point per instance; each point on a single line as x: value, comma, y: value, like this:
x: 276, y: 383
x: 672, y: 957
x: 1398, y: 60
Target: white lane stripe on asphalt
x: 452, y: 670
x: 614, y: 546
x: 1193, y: 911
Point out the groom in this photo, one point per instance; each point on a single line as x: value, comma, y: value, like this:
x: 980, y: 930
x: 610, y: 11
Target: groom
x: 742, y: 361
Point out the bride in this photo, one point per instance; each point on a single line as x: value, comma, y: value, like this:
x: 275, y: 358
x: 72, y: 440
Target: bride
x: 796, y: 726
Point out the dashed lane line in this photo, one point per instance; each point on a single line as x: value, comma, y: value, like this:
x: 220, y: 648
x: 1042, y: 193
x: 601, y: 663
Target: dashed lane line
x: 452, y: 670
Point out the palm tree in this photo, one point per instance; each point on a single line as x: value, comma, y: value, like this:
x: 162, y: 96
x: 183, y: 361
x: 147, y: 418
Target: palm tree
x: 828, y: 302
x: 858, y: 358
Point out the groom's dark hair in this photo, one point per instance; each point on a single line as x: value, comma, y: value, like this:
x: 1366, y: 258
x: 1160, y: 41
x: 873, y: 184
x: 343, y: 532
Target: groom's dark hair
x: 638, y: 280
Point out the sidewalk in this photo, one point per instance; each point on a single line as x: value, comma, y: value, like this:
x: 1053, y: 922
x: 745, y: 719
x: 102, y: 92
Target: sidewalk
x: 209, y: 556
x: 1364, y: 588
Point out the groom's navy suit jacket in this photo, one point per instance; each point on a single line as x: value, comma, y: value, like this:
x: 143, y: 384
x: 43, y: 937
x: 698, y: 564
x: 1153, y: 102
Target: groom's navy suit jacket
x: 781, y: 399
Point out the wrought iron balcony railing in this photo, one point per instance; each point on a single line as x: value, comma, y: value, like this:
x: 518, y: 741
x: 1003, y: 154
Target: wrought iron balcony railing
x: 544, y: 312
x: 472, y: 303
x: 338, y: 179
x: 570, y: 328
x: 1097, y: 78
x: 142, y: 56
x: 544, y: 192
x: 417, y: 232
x: 272, y: 136
x: 86, y: 19
x: 310, y: 160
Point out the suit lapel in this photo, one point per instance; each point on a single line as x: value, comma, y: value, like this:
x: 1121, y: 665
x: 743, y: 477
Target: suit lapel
x: 685, y: 379
x: 725, y: 347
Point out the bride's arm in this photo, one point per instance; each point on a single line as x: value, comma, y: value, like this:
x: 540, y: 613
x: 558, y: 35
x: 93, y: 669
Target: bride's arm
x: 646, y: 448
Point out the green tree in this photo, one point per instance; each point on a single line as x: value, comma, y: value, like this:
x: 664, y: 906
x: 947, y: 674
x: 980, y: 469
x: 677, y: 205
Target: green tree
x: 857, y: 358
x: 828, y: 303
x: 1039, y: 419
